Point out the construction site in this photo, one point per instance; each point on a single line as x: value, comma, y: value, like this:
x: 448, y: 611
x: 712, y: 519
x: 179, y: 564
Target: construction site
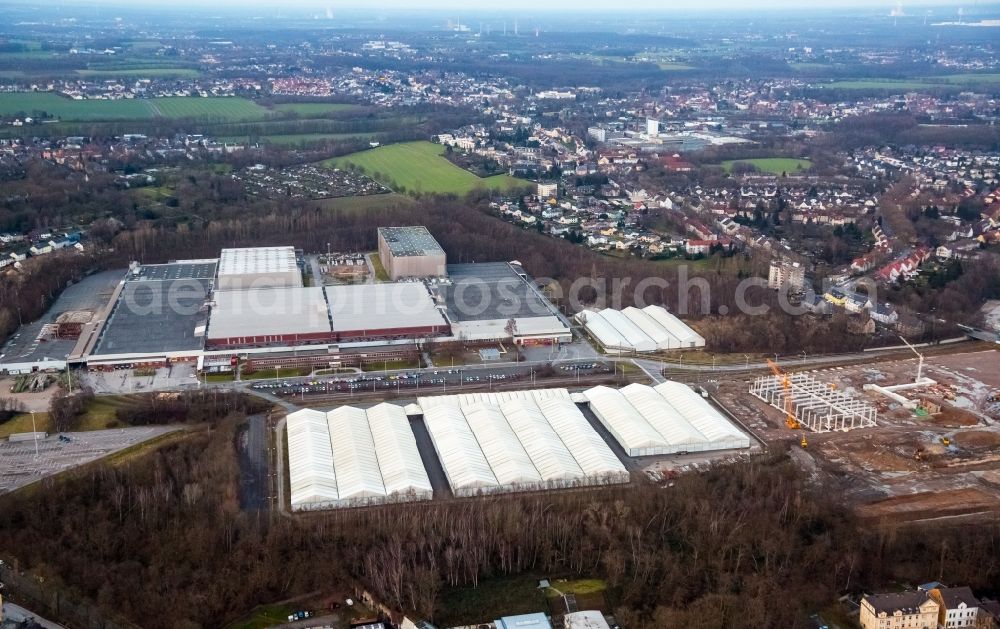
x: 907, y: 439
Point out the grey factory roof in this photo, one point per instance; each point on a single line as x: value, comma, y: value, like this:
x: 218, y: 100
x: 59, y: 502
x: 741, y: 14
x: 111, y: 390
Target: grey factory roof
x: 156, y: 316
x: 410, y: 241
x: 184, y: 270
x: 269, y: 312
x: 375, y: 307
x: 493, y: 290
x: 89, y: 294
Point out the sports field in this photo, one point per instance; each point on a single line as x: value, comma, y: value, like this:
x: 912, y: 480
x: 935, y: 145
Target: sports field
x: 773, y: 165
x: 222, y: 109
x: 420, y: 167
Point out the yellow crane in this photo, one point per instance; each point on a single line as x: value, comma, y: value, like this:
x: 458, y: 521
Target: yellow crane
x: 786, y: 384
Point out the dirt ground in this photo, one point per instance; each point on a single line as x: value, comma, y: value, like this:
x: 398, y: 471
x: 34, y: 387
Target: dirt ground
x: 913, y: 465
x: 36, y: 401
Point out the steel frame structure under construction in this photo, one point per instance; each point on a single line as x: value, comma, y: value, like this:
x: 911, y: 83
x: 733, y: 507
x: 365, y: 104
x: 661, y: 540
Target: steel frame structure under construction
x: 816, y: 405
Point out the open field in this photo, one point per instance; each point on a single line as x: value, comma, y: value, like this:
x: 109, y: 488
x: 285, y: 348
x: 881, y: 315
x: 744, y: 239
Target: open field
x: 314, y: 109
x: 773, y: 165
x: 419, y: 167
x: 226, y: 109
x: 492, y: 599
x: 365, y: 203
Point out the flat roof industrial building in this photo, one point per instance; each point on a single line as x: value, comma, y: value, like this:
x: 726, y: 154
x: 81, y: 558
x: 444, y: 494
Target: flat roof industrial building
x: 649, y: 329
x: 410, y: 252
x: 269, y: 316
x: 160, y: 310
x: 395, y: 310
x: 258, y: 267
x: 482, y: 298
x: 669, y: 418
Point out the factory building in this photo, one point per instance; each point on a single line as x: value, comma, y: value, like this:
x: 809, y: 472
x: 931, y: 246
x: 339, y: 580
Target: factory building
x: 669, y: 418
x: 497, y: 301
x: 258, y: 267
x: 635, y: 330
x: 269, y: 316
x: 384, y: 311
x: 410, y: 252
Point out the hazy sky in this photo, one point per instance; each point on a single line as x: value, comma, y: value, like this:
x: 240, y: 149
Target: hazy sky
x: 555, y: 5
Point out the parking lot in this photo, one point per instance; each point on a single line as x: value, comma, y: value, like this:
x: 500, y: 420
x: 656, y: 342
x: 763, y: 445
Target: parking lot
x: 117, y: 381
x: 20, y: 465
x: 434, y: 381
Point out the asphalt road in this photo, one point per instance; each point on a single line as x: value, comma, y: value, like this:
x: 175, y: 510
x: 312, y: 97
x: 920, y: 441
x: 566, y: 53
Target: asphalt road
x: 252, y: 448
x: 435, y: 471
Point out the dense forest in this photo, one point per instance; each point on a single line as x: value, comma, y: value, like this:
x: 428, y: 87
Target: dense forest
x: 713, y: 550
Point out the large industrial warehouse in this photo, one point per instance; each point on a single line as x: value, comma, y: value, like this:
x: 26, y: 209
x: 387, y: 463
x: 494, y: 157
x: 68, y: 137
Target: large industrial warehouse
x: 247, y: 318
x: 483, y: 299
x: 252, y: 303
x: 633, y: 330
x: 517, y: 441
x: 384, y: 311
x: 669, y: 418
x: 353, y: 457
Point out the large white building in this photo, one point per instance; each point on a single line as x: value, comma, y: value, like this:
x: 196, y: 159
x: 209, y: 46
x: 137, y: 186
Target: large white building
x: 353, y: 457
x: 258, y: 267
x: 635, y: 330
x: 517, y: 441
x: 669, y: 418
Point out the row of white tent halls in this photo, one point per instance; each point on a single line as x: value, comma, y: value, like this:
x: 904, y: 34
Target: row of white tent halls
x: 669, y: 418
x: 353, y: 457
x: 649, y: 329
x: 517, y: 441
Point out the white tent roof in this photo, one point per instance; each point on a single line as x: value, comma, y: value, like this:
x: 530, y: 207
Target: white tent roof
x: 698, y: 412
x: 521, y: 437
x: 463, y: 461
x: 547, y: 451
x: 510, y: 463
x: 621, y: 418
x: 396, y: 450
x: 589, y: 450
x: 607, y: 335
x: 675, y: 326
x: 310, y: 459
x: 635, y: 337
x: 661, y: 416
x: 358, y: 474
x: 663, y: 338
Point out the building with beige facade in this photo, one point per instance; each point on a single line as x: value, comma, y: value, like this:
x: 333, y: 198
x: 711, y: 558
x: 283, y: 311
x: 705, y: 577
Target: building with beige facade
x: 905, y: 610
x: 410, y: 252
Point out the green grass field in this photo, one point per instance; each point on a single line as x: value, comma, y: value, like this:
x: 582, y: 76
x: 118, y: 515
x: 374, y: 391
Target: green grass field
x: 773, y: 165
x: 227, y: 109
x: 421, y: 167
x: 314, y: 109
x: 365, y: 203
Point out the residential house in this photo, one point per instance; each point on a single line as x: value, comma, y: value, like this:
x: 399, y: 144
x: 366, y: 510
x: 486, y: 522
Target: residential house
x: 906, y: 610
x: 958, y: 607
